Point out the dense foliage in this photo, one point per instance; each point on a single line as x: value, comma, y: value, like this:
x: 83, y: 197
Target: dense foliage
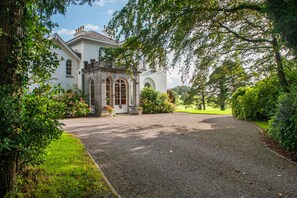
x: 28, y: 131
x: 173, y: 96
x: 257, y: 102
x: 284, y: 15
x: 192, y: 30
x: 181, y: 90
x: 74, y: 103
x: 29, y: 121
x: 153, y: 101
x: 283, y: 126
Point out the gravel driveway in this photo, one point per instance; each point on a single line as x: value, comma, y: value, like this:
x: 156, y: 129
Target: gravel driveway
x: 185, y: 155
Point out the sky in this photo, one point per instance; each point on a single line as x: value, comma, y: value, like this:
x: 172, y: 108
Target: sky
x: 95, y: 17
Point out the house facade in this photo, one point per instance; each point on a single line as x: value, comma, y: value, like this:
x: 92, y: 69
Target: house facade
x: 104, y: 83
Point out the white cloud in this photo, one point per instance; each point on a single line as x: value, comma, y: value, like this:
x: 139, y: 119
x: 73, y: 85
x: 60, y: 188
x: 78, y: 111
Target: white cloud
x: 66, y: 32
x: 110, y: 11
x: 92, y: 27
x: 100, y: 3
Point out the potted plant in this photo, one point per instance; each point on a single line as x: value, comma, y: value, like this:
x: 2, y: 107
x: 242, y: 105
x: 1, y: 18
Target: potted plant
x: 139, y: 110
x: 109, y: 109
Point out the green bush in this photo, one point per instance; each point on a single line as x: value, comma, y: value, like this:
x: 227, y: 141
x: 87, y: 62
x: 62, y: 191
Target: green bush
x: 29, y: 122
x: 237, y: 103
x: 173, y: 96
x: 283, y: 126
x: 257, y: 102
x: 154, y: 102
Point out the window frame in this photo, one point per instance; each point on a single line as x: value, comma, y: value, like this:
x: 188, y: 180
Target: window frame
x: 120, y: 92
x: 69, y: 67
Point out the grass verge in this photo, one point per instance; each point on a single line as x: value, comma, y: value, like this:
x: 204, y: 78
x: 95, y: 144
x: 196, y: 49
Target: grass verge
x: 273, y: 144
x: 212, y: 111
x: 263, y: 125
x: 67, y: 171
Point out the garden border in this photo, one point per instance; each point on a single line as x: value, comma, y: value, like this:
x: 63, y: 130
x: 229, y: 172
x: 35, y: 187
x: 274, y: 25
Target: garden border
x: 273, y: 151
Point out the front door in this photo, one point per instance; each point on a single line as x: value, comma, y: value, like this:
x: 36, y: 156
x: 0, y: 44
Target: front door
x: 121, y: 96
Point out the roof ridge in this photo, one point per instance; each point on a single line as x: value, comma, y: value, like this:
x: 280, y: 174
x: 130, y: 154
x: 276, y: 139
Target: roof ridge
x: 102, y: 35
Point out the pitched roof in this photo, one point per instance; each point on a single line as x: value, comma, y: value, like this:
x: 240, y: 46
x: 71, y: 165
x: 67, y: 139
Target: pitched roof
x: 56, y: 36
x: 95, y: 36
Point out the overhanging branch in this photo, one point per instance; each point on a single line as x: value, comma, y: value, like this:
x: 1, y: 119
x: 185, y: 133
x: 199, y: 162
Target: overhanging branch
x: 242, y: 37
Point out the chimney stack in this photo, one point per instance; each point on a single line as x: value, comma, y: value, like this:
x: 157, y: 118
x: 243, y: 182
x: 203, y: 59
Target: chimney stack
x: 79, y: 31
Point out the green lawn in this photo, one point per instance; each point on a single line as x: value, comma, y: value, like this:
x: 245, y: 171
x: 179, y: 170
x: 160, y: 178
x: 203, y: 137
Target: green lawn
x: 263, y: 125
x: 67, y: 172
x: 209, y: 110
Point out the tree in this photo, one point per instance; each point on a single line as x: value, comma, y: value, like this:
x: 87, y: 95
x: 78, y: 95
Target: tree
x: 181, y: 90
x: 29, y: 121
x: 173, y: 96
x: 218, y: 87
x: 199, y: 82
x: 284, y: 17
x: 224, y: 81
x: 186, y: 28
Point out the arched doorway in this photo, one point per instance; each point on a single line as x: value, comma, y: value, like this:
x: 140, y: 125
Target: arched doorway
x: 121, y: 93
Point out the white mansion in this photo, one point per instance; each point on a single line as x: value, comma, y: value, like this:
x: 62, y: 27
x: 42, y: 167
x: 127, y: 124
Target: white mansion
x: 103, y: 82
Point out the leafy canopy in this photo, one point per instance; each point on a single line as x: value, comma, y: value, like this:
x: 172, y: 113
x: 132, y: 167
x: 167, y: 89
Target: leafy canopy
x: 194, y: 29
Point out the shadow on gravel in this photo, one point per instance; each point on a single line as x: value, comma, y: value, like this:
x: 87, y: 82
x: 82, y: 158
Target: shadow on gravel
x: 225, y: 158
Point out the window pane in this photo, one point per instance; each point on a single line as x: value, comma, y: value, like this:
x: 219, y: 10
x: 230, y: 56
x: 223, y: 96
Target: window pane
x: 68, y: 67
x: 117, y: 94
x: 120, y: 92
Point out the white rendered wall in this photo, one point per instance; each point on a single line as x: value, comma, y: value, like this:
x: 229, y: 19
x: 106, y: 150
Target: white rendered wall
x: 78, y: 47
x: 59, y: 76
x: 159, y: 78
x: 89, y: 50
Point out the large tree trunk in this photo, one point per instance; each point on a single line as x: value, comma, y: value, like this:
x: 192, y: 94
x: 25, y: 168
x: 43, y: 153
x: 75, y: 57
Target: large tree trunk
x: 7, y: 173
x: 10, y: 24
x: 279, y: 65
x: 203, y: 98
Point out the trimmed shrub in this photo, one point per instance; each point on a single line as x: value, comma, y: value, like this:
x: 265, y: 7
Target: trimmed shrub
x: 237, y: 103
x: 258, y: 102
x: 153, y: 101
x: 283, y: 126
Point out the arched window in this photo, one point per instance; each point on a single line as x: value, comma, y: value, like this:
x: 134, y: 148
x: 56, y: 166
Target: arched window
x: 120, y: 92
x: 108, y: 92
x: 68, y: 67
x: 92, y: 93
x: 147, y: 85
x: 148, y: 82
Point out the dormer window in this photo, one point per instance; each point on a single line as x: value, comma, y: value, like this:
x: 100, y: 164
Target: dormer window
x: 68, y: 67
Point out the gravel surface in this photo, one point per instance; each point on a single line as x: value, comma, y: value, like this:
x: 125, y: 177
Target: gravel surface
x: 185, y: 155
